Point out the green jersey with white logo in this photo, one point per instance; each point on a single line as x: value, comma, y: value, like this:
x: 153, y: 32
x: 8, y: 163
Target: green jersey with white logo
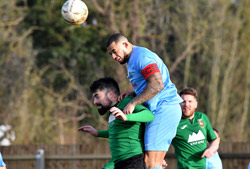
x: 191, y: 141
x: 126, y: 137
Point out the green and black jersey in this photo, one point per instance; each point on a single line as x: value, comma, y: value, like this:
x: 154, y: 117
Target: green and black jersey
x: 191, y: 141
x: 126, y: 137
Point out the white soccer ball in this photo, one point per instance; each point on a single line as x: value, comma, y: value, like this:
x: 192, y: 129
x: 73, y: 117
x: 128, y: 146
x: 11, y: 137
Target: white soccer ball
x: 74, y: 11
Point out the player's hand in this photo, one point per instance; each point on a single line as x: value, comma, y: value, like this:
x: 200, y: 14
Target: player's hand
x: 207, y: 153
x: 164, y: 164
x: 123, y: 95
x: 89, y: 129
x: 118, y: 113
x: 129, y: 108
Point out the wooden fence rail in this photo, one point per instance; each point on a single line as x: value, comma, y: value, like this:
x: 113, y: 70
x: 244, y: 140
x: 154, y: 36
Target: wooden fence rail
x: 233, y: 155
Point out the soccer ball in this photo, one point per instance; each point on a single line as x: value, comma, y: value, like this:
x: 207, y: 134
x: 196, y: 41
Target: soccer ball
x: 74, y: 11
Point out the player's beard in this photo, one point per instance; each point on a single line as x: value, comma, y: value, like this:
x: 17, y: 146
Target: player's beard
x: 188, y: 115
x: 103, y: 110
x: 125, y: 59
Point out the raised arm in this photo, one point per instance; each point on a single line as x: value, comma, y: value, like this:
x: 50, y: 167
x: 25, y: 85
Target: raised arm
x: 140, y: 114
x: 154, y: 86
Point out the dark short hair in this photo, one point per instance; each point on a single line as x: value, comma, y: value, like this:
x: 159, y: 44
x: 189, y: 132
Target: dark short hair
x: 190, y: 91
x: 116, y: 37
x: 106, y: 83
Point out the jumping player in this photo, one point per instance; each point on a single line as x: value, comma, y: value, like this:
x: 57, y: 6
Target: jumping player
x: 150, y: 79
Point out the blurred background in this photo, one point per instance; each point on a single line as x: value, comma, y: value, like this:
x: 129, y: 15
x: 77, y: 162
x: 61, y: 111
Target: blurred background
x: 47, y: 65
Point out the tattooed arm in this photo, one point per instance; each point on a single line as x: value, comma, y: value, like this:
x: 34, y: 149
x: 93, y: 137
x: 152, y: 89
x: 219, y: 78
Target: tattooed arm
x: 154, y: 86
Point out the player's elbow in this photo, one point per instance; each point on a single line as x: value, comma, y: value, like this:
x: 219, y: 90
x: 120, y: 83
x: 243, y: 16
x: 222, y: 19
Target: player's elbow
x: 160, y: 87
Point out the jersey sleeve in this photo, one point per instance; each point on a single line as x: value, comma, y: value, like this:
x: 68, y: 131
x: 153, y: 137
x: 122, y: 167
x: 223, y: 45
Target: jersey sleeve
x: 146, y: 64
x: 140, y: 114
x: 103, y: 133
x: 210, y: 132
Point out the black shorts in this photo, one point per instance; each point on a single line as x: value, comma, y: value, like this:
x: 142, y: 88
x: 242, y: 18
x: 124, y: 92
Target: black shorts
x: 135, y: 162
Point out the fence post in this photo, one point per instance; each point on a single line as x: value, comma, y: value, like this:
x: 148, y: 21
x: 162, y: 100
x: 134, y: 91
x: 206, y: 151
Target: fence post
x: 40, y: 160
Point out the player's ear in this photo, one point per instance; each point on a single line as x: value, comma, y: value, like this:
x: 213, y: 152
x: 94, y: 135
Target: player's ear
x: 111, y: 94
x: 125, y: 44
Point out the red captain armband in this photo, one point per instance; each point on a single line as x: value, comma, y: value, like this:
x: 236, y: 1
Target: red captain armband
x: 149, y: 70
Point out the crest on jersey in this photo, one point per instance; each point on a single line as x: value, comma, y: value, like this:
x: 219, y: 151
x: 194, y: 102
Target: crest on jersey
x: 130, y: 75
x: 201, y: 123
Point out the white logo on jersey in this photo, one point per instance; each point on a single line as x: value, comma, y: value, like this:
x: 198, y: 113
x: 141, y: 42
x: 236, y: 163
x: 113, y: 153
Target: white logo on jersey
x: 111, y: 118
x: 184, y: 126
x: 196, y: 137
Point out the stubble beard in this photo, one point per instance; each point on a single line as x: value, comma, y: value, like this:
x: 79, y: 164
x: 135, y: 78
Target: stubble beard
x: 125, y: 59
x: 187, y: 115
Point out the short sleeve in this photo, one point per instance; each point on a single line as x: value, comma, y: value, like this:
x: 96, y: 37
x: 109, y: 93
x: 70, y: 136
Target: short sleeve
x: 210, y: 132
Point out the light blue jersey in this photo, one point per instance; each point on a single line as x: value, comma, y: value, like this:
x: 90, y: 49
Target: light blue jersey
x: 2, y: 164
x: 214, y: 162
x: 165, y: 105
x: 142, y: 63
